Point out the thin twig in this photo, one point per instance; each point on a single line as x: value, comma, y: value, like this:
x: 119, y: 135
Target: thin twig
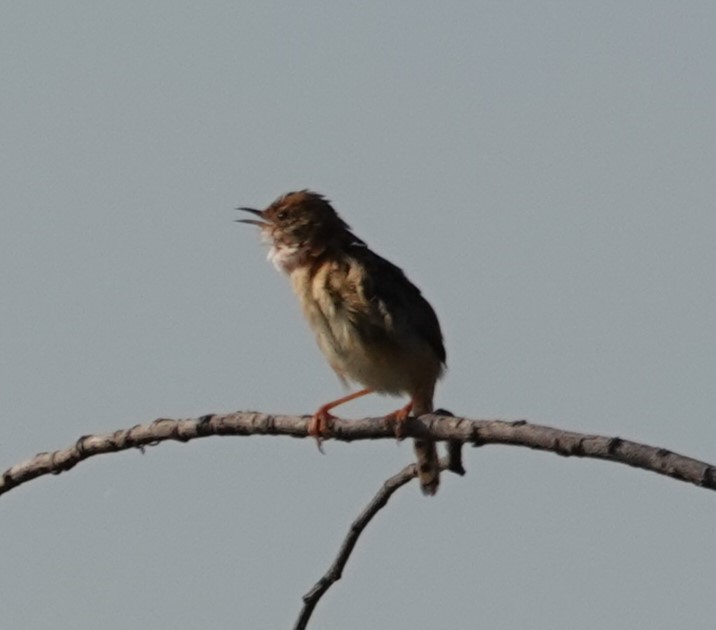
x: 335, y: 571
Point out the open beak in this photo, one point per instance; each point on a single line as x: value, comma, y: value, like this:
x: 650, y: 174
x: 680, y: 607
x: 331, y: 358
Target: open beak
x: 258, y: 213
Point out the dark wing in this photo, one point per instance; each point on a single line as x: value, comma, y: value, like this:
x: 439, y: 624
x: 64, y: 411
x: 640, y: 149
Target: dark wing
x: 394, y: 301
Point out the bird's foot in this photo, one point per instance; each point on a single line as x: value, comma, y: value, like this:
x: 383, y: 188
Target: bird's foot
x: 398, y: 418
x: 320, y: 426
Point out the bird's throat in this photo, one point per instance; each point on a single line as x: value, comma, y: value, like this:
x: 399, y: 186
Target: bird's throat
x: 287, y: 258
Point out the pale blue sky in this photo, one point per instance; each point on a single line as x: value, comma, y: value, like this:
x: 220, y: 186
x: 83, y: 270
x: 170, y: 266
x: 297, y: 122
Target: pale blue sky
x: 544, y: 171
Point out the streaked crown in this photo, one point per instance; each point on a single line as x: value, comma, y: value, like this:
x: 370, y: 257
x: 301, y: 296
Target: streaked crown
x: 301, y: 220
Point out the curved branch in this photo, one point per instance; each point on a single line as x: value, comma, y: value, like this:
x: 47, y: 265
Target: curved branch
x: 438, y: 427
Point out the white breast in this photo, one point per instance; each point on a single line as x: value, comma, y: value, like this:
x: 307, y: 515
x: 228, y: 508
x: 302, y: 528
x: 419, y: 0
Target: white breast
x: 285, y: 258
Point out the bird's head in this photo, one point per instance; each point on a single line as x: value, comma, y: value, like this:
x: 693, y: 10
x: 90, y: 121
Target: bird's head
x: 299, y: 225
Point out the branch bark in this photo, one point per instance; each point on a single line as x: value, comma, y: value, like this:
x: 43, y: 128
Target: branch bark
x: 438, y: 427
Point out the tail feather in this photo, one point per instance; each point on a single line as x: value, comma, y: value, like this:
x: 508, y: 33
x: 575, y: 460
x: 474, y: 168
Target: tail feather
x: 426, y: 451
x: 428, y: 466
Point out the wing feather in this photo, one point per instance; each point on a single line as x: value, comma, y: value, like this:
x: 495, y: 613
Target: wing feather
x: 395, y: 305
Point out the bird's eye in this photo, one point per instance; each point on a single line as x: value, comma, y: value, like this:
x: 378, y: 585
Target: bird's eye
x: 282, y: 215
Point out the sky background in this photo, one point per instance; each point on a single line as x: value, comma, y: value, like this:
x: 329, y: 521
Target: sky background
x: 543, y: 171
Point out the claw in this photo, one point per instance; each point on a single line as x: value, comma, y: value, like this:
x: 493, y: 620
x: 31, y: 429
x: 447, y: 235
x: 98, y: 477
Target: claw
x: 399, y: 417
x: 320, y: 425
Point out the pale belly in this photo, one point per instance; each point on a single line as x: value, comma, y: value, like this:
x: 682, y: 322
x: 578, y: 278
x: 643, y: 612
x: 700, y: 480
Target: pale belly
x: 402, y: 365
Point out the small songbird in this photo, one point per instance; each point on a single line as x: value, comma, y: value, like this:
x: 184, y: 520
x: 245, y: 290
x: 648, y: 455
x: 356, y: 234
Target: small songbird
x: 372, y: 324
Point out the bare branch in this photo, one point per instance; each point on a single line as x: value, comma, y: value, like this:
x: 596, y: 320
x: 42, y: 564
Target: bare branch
x: 438, y: 427
x: 335, y: 571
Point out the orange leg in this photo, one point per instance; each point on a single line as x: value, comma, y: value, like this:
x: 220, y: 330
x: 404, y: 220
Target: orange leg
x: 320, y: 425
x: 399, y: 417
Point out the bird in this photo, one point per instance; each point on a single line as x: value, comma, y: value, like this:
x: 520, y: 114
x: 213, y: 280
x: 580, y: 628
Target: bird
x: 372, y: 324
